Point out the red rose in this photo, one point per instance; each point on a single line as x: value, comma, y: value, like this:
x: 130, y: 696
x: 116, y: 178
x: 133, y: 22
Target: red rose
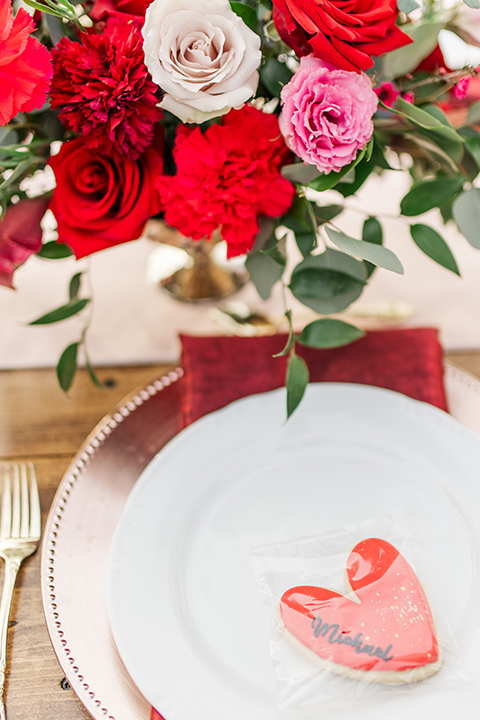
x: 104, y: 8
x: 227, y: 177
x: 20, y: 235
x: 100, y: 202
x: 344, y: 34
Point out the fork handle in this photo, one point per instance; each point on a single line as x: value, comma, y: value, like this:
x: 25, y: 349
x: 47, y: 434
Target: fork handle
x: 11, y: 570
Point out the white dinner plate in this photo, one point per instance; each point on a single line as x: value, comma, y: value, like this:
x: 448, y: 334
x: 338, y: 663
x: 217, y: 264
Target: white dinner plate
x: 185, y: 610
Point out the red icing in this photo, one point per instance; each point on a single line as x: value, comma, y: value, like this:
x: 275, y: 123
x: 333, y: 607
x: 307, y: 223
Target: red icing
x: 391, y: 629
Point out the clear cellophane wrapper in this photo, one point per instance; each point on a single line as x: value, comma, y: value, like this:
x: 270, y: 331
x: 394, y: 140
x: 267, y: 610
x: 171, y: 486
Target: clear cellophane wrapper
x: 343, y: 647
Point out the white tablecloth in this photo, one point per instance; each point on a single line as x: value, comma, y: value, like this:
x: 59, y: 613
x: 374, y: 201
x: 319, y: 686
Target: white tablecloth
x: 135, y: 322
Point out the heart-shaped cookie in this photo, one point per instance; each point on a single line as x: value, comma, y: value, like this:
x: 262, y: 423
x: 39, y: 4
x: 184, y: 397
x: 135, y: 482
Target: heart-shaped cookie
x: 383, y: 630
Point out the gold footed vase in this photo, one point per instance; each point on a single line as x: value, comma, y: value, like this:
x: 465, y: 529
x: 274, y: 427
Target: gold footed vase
x: 190, y: 270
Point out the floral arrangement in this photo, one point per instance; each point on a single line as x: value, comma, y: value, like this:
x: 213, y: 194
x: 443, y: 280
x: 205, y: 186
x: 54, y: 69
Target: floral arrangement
x: 235, y: 117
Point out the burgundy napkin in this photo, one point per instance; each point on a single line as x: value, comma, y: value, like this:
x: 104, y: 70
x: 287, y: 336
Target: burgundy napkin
x: 219, y: 370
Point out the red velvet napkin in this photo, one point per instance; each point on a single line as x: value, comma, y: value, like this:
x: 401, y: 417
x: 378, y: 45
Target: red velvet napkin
x: 219, y: 370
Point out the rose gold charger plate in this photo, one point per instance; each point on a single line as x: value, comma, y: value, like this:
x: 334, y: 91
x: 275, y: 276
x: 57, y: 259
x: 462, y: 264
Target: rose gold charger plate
x: 82, y: 521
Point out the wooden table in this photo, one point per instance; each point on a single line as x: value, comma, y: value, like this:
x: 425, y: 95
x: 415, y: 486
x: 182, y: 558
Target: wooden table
x: 39, y: 423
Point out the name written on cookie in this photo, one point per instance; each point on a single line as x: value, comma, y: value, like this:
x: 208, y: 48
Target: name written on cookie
x: 334, y: 635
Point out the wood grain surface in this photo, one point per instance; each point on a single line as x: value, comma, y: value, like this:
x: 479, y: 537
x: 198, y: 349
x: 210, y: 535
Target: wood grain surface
x: 40, y: 424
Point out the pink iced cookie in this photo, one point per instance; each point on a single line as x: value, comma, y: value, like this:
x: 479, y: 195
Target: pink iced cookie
x: 383, y: 630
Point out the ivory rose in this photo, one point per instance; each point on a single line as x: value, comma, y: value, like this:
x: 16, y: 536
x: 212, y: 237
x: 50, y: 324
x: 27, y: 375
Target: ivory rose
x: 327, y: 114
x: 202, y: 55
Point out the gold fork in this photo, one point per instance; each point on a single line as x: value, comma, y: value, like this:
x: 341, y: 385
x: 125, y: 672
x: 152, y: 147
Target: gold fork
x: 20, y: 529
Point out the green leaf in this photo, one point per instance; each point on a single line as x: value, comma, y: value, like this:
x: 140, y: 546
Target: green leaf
x: 61, y: 313
x: 328, y: 181
x: 247, y: 13
x: 473, y: 147
x: 372, y: 232
x: 447, y: 130
x: 329, y: 282
x: 275, y: 75
x: 362, y: 172
x: 91, y: 372
x: 297, y: 218
x: 300, y: 173
x: 473, y: 113
x: 291, y: 336
x: 405, y: 59
x: 433, y: 245
x: 376, y: 254
x: 466, y: 211
x: 74, y: 286
x: 378, y: 158
x: 20, y: 169
x: 416, y: 115
x: 67, y: 366
x: 325, y: 213
x: 472, y: 3
x: 407, y: 6
x: 297, y: 381
x: 54, y: 251
x: 306, y: 241
x: 278, y: 252
x: 329, y: 333
x: 430, y: 194
x: 264, y: 273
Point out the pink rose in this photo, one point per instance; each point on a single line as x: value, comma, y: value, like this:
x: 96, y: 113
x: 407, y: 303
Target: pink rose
x: 327, y: 114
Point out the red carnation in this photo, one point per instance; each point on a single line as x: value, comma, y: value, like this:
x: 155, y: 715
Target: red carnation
x: 100, y: 202
x: 25, y: 65
x: 226, y: 178
x: 343, y: 34
x: 104, y: 90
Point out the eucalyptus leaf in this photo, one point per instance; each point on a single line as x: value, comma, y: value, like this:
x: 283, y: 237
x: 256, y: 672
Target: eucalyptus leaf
x: 376, y: 254
x: 466, y: 212
x: 300, y: 173
x: 291, y: 336
x: 264, y: 273
x: 430, y: 194
x: 74, y: 286
x: 329, y: 180
x: 297, y: 218
x: 278, y: 252
x: 329, y: 282
x: 54, y: 250
x: 433, y: 245
x: 306, y: 241
x: 329, y: 333
x: 325, y: 213
x: 67, y: 366
x: 378, y: 158
x: 20, y: 169
x: 417, y: 115
x: 407, y: 58
x: 475, y: 4
x: 362, y: 172
x: 297, y: 381
x: 62, y: 313
x: 473, y: 113
x: 407, y: 6
x: 91, y: 371
x: 275, y: 75
x: 372, y: 232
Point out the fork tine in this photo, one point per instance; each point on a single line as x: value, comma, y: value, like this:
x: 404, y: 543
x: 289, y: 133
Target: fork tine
x: 24, y: 503
x: 6, y: 523
x: 15, y: 533
x: 35, y: 513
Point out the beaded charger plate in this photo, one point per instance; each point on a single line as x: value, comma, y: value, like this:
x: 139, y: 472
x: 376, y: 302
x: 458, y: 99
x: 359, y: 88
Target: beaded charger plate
x: 82, y: 521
